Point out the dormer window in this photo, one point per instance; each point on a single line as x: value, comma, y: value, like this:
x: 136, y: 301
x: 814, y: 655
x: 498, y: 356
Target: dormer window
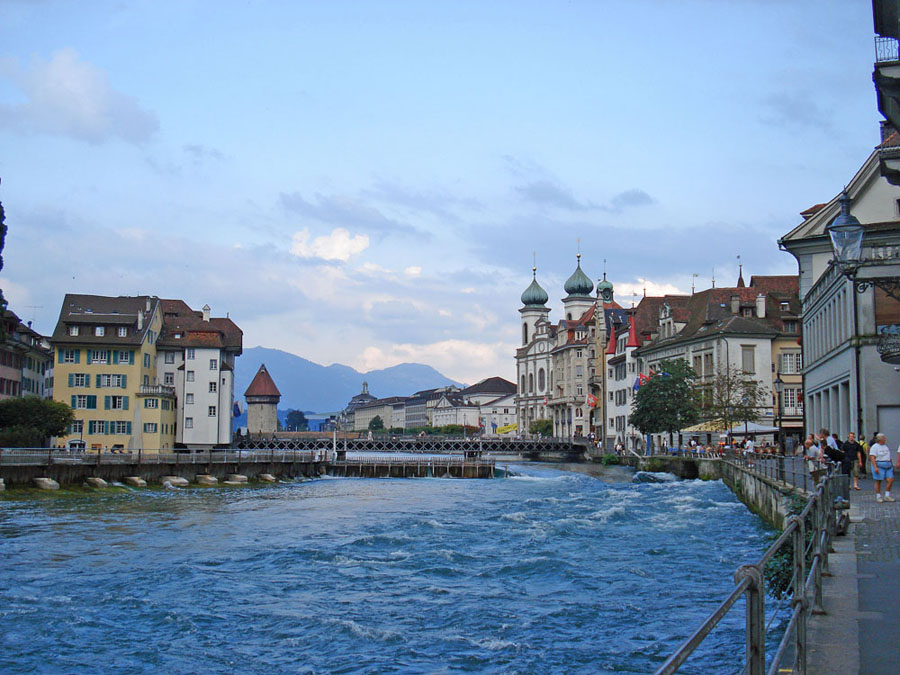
x: 99, y: 331
x: 123, y: 331
x: 785, y: 307
x: 73, y: 330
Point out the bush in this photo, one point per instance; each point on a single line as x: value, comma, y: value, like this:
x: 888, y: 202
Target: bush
x: 609, y: 460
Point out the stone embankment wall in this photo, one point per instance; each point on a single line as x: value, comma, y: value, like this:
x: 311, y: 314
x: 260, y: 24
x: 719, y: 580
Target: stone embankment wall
x: 770, y: 500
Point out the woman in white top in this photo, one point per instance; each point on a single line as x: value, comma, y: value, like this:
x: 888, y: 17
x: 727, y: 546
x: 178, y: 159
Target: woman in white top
x: 880, y: 454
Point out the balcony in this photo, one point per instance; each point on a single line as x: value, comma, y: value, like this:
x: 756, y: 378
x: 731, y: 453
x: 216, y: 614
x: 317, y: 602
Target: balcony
x: 889, y: 348
x: 156, y: 390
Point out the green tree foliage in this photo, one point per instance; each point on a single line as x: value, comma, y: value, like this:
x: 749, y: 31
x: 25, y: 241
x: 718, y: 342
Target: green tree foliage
x: 2, y: 244
x: 668, y: 401
x: 376, y: 424
x: 542, y: 427
x: 31, y: 421
x: 733, y: 397
x: 296, y: 421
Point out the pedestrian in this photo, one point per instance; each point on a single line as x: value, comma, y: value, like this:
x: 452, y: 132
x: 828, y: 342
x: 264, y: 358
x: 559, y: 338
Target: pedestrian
x: 829, y: 446
x: 812, y: 455
x: 853, y: 458
x: 882, y: 468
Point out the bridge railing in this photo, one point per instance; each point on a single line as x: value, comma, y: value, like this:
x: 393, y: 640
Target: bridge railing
x: 51, y: 456
x: 439, y: 460
x: 806, y: 539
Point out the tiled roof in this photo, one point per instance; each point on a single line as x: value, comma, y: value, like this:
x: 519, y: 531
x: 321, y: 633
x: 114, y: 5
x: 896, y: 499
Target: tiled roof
x: 102, y: 310
x: 490, y: 385
x: 262, y: 384
x: 179, y: 319
x: 892, y: 141
x: 812, y: 210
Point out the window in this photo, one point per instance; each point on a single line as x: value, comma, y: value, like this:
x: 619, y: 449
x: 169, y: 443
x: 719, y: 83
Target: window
x: 579, y: 371
x: 170, y: 357
x: 541, y: 380
x: 122, y: 331
x: 116, y: 402
x: 120, y: 427
x: 96, y: 427
x: 84, y: 402
x: 98, y: 356
x: 169, y: 378
x: 78, y: 380
x: 791, y: 363
x: 99, y: 331
x: 212, y: 388
x: 125, y: 356
x: 577, y: 353
x: 212, y: 411
x: 117, y: 381
x: 165, y: 404
x: 190, y: 376
x: 579, y: 390
x: 214, y: 364
x: 73, y: 330
x: 188, y: 399
x: 530, y: 383
x: 790, y: 326
x: 78, y: 427
x: 188, y: 422
x: 189, y: 354
x: 149, y: 427
x: 151, y: 402
x: 146, y: 360
x: 785, y: 306
x: 748, y: 359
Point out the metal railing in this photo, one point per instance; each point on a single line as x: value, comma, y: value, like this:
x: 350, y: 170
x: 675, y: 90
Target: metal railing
x: 436, y: 460
x: 886, y: 49
x: 808, y: 534
x: 47, y: 457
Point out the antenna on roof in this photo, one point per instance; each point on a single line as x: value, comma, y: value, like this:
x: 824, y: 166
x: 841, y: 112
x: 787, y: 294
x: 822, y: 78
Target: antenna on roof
x: 714, y: 277
x: 694, y: 276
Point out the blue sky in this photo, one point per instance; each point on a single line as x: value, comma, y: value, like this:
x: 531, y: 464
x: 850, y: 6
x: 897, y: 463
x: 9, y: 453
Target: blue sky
x: 366, y: 182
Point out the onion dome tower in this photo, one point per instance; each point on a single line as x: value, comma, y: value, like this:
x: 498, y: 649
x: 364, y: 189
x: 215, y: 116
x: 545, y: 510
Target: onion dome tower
x: 534, y: 307
x: 605, y: 290
x: 579, y: 288
x: 262, y: 403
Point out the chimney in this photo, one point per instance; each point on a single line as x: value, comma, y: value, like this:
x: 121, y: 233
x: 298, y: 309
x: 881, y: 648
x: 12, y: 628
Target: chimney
x: 206, y: 313
x: 148, y: 305
x: 761, y: 306
x: 140, y: 321
x: 735, y: 304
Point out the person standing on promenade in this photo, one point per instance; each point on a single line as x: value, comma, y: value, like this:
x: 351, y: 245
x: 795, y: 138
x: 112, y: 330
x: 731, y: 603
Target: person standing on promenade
x: 882, y: 468
x: 853, y: 458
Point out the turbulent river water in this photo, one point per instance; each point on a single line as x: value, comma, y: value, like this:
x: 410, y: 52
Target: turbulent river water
x: 546, y: 572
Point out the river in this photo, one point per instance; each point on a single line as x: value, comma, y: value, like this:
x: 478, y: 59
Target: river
x: 549, y: 571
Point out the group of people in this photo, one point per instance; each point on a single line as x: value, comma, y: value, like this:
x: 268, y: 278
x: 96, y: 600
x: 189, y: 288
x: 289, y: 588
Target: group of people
x: 853, y: 456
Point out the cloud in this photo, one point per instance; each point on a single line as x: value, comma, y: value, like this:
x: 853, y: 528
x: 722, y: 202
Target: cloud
x: 546, y: 192
x: 413, y: 271
x: 795, y: 110
x: 67, y: 96
x: 628, y: 199
x: 344, y: 211
x: 438, y: 203
x: 199, y: 152
x: 338, y: 245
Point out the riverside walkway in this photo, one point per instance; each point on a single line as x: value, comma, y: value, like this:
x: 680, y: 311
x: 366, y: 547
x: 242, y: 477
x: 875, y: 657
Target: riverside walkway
x: 860, y: 632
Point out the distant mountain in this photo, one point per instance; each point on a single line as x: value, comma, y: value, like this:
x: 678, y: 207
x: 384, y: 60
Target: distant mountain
x: 305, y: 385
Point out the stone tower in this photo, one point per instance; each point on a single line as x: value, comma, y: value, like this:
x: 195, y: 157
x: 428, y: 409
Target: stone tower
x: 262, y: 403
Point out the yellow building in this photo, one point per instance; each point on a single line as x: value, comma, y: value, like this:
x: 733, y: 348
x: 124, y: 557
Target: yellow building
x: 105, y: 368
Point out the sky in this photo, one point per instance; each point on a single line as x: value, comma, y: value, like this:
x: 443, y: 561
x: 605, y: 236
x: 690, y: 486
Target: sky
x: 368, y: 183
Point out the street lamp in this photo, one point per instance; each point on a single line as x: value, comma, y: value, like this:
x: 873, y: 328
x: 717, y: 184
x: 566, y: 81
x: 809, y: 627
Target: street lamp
x: 779, y: 387
x: 846, y: 234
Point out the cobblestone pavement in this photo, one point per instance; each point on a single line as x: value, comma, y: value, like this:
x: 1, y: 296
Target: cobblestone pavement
x: 877, y: 529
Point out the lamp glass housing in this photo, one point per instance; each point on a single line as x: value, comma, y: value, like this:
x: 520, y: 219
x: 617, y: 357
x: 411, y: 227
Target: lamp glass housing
x: 779, y: 384
x: 846, y: 240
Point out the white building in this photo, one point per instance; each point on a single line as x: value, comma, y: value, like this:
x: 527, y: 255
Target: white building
x: 849, y: 385
x: 498, y: 417
x: 195, y: 355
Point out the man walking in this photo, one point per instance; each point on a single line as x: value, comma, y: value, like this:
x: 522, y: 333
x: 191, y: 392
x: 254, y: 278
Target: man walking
x: 853, y: 458
x: 882, y: 468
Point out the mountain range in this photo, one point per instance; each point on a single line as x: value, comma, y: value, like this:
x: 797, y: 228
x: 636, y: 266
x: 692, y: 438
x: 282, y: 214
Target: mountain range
x: 311, y: 387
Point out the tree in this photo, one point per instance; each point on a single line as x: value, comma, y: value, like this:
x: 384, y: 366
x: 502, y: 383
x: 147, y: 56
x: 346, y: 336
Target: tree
x: 542, y: 427
x: 668, y: 401
x: 2, y: 244
x: 31, y: 421
x: 296, y: 420
x: 376, y: 424
x: 733, y: 397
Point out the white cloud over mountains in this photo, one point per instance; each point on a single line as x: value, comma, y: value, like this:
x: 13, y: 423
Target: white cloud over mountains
x: 67, y: 96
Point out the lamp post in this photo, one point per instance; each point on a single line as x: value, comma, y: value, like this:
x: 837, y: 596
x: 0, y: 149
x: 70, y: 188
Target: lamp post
x: 779, y: 387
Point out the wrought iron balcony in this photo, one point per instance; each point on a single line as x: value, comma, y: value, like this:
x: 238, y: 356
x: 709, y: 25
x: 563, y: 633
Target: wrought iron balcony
x: 886, y: 50
x: 889, y: 347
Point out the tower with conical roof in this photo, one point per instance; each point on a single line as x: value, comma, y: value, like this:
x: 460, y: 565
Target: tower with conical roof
x: 262, y: 398
x: 579, y: 288
x: 534, y: 307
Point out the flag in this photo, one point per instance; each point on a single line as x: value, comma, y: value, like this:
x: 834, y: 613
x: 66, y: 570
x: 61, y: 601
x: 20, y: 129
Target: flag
x: 641, y: 380
x: 546, y: 401
x: 590, y: 400
x: 237, y: 409
x: 494, y: 426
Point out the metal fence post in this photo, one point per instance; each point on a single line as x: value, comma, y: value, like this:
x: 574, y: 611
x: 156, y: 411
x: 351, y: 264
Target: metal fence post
x: 756, y: 619
x: 799, y: 602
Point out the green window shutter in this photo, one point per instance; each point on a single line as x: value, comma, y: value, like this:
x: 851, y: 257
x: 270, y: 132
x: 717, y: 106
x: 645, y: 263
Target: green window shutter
x: 125, y: 403
x: 107, y: 427
x: 71, y: 379
x: 59, y: 353
x: 124, y: 381
x: 77, y: 355
x: 106, y: 402
x: 98, y: 381
x: 128, y: 428
x: 115, y: 357
x: 92, y: 402
x: 87, y: 380
x: 89, y: 354
x: 73, y: 401
x: 131, y: 358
